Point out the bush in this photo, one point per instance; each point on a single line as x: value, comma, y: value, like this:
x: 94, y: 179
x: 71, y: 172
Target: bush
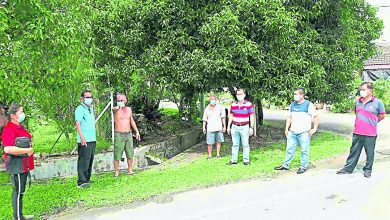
x: 382, y: 92
x: 344, y: 106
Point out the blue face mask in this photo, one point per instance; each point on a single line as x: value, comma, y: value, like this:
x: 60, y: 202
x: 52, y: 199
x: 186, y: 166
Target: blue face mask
x: 240, y: 97
x: 213, y: 102
x: 297, y: 98
x: 21, y: 117
x: 88, y: 101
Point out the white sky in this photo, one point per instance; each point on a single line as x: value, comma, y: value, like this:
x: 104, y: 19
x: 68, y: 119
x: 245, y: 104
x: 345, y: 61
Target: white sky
x: 384, y: 14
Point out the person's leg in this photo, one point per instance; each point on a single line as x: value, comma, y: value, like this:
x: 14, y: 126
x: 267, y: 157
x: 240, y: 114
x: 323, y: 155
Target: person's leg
x: 129, y: 150
x: 81, y: 165
x: 119, y: 146
x: 210, y: 141
x: 244, y: 134
x: 236, y: 143
x: 304, y: 142
x: 292, y: 143
x: 91, y: 154
x: 19, y: 181
x: 369, y: 147
x: 354, y: 154
x: 219, y: 140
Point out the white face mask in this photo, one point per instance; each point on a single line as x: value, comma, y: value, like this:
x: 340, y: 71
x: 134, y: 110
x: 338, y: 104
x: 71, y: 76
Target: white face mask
x: 363, y: 93
x: 88, y: 101
x: 297, y: 98
x: 120, y: 104
x: 240, y: 97
x: 213, y: 102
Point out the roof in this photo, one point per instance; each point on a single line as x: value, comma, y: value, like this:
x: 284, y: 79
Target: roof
x: 381, y: 60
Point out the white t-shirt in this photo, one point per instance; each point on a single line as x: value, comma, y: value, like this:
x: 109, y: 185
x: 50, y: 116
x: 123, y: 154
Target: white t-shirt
x: 213, y: 118
x: 302, y: 116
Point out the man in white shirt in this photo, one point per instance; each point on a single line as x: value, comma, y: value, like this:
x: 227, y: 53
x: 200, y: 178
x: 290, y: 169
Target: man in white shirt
x: 299, y: 131
x: 214, y: 117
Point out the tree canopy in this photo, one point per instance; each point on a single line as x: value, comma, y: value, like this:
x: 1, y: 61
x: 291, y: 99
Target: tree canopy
x: 51, y: 50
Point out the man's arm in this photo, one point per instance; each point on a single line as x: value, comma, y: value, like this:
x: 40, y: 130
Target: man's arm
x: 316, y: 122
x: 134, y: 126
x: 204, y: 119
x: 82, y: 139
x: 229, y: 122
x: 251, y: 124
x: 381, y: 117
x: 18, y: 151
x: 223, y: 124
x: 288, y: 124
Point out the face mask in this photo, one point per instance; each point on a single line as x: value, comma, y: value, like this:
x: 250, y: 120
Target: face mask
x: 297, y: 98
x: 120, y: 104
x: 363, y: 93
x: 213, y: 102
x: 240, y: 97
x: 88, y: 101
x: 21, y: 117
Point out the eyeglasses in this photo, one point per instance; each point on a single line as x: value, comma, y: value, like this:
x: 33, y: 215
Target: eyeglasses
x: 89, y: 97
x: 120, y: 100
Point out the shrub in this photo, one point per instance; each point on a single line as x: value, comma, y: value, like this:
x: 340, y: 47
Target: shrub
x: 382, y: 92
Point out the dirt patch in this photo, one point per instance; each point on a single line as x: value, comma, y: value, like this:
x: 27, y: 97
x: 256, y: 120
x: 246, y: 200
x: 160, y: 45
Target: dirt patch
x: 266, y: 135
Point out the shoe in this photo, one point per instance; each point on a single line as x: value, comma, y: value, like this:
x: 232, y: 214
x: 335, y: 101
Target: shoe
x: 231, y: 163
x: 26, y: 217
x: 219, y: 157
x: 281, y: 167
x: 367, y: 174
x: 246, y: 163
x: 301, y: 170
x: 84, y: 185
x: 208, y: 158
x: 342, y: 171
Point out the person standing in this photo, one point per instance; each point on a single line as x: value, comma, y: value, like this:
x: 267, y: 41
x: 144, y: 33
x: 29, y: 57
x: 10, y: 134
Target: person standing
x: 19, y: 160
x: 214, y: 117
x: 369, y: 111
x: 241, y: 121
x: 298, y: 130
x: 123, y: 138
x: 86, y: 138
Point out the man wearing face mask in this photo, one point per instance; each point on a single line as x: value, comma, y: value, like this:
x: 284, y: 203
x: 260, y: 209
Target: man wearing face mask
x: 241, y: 120
x: 86, y: 138
x: 298, y: 130
x: 214, y: 117
x: 123, y: 138
x: 369, y: 111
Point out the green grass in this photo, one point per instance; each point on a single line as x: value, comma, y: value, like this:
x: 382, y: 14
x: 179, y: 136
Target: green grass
x: 171, y: 112
x: 56, y: 195
x: 45, y: 135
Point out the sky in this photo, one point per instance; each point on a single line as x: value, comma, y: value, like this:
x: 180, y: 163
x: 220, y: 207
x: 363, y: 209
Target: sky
x: 384, y: 14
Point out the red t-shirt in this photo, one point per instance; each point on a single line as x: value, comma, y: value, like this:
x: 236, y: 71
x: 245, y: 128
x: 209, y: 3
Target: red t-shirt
x: 12, y: 131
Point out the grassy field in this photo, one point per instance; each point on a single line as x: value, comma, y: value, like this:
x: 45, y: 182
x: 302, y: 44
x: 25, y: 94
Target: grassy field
x: 56, y: 195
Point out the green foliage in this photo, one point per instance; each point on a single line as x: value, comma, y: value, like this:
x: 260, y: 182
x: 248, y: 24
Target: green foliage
x: 345, y: 105
x: 63, y: 193
x: 382, y: 92
x: 51, y: 50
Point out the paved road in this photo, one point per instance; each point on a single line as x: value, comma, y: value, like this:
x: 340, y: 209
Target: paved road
x: 317, y: 194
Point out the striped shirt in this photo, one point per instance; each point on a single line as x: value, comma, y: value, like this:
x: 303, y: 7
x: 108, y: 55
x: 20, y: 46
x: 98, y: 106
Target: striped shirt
x: 367, y: 116
x: 242, y: 112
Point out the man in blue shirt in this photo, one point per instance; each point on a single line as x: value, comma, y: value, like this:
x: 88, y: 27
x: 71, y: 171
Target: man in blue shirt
x: 86, y: 138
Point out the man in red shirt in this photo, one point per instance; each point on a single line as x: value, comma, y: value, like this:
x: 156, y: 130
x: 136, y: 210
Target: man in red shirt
x: 19, y: 161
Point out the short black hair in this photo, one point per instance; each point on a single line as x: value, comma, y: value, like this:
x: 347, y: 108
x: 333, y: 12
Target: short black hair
x: 301, y: 90
x: 85, y: 91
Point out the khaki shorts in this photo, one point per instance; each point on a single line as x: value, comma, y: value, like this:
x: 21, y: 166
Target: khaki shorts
x: 123, y: 141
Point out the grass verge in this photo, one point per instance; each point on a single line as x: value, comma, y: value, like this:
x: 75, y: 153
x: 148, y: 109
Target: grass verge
x: 56, y: 195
